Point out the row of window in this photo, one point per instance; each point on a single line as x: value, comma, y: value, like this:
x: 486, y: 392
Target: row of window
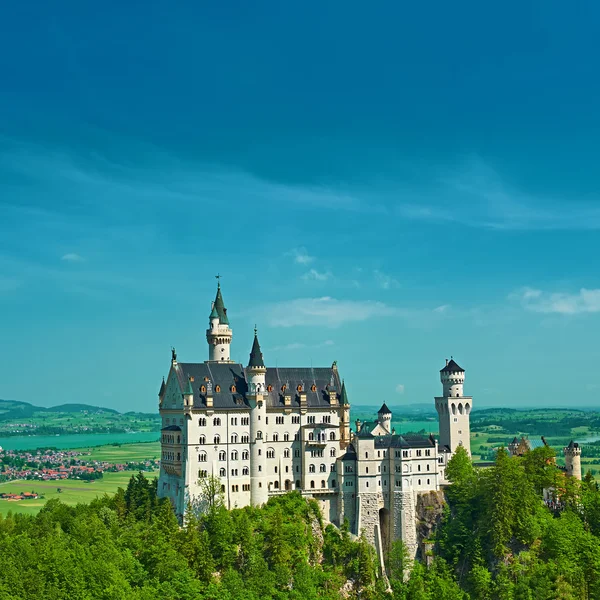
x: 167, y: 456
x: 279, y: 420
x: 245, y: 439
x: 170, y: 439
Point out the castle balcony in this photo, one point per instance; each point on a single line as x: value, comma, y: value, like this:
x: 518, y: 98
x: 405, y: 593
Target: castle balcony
x: 172, y: 467
x: 317, y: 442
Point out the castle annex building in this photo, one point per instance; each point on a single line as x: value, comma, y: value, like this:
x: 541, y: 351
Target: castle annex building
x: 266, y: 430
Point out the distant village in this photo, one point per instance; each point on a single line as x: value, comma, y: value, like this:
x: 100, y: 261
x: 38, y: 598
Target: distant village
x: 57, y: 465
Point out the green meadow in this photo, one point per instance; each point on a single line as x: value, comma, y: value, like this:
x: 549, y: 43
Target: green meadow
x: 73, y: 491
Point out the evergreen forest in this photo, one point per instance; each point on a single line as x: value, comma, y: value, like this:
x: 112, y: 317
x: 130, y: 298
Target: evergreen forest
x: 498, y: 538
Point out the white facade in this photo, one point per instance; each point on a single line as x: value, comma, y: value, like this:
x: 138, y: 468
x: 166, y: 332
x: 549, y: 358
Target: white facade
x: 265, y: 431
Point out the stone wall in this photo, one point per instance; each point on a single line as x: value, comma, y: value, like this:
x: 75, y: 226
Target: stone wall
x: 429, y: 511
x: 368, y: 515
x: 405, y: 520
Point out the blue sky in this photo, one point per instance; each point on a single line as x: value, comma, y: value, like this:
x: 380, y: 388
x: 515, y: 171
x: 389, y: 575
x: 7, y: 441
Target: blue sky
x: 382, y: 186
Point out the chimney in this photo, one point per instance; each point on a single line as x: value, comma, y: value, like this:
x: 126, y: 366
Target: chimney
x: 446, y: 362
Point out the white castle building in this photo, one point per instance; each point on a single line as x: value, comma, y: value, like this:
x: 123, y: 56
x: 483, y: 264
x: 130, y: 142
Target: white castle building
x: 264, y: 431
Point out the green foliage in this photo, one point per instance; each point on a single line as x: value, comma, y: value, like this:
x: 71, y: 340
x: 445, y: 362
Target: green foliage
x: 130, y: 546
x: 501, y: 539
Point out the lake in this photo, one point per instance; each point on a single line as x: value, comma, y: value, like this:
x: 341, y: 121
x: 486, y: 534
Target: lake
x: 416, y: 426
x: 75, y: 440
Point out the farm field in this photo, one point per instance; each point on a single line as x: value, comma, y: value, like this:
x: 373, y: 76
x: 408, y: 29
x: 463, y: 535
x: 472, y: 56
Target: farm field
x: 73, y: 492
x: 124, y: 453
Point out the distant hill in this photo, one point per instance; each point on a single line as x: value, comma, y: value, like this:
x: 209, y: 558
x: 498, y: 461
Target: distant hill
x: 13, y: 410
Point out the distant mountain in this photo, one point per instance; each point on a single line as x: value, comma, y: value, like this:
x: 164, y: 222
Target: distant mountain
x: 14, y: 410
x: 68, y: 408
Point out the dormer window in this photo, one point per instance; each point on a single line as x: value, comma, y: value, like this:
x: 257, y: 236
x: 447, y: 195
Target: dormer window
x: 270, y: 388
x: 313, y: 388
x: 299, y: 388
x: 233, y: 389
x: 283, y: 388
x: 203, y: 389
x: 217, y: 388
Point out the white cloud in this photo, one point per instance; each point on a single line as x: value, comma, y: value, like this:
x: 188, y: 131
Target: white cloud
x: 324, y: 311
x: 385, y: 281
x: 314, y: 275
x: 564, y: 303
x: 301, y: 256
x: 72, y: 257
x: 441, y: 309
x: 300, y: 345
x: 400, y: 388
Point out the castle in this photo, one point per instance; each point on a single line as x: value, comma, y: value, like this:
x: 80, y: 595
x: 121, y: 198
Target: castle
x: 263, y: 431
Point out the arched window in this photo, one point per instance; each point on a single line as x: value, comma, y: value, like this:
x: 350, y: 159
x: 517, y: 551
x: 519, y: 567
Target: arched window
x: 460, y: 408
x: 259, y: 435
x: 202, y: 440
x: 245, y: 471
x: 270, y: 453
x: 453, y: 408
x: 245, y: 439
x: 332, y: 452
x: 332, y: 435
x: 323, y: 483
x: 222, y: 472
x: 179, y: 456
x: 312, y: 484
x: 467, y: 408
x: 332, y: 467
x: 286, y: 453
x: 311, y: 436
x: 217, y: 439
x: 276, y: 485
x: 216, y: 422
x: 234, y: 455
x: 245, y: 455
x: 202, y: 422
x: 222, y: 455
x: 286, y: 437
x: 323, y: 469
x: 202, y: 457
x: 311, y: 468
x: 297, y: 483
x: 234, y: 438
x: 178, y: 439
x: 275, y: 437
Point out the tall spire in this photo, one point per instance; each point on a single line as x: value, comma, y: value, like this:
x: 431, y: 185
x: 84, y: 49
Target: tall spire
x: 256, y: 357
x: 219, y: 306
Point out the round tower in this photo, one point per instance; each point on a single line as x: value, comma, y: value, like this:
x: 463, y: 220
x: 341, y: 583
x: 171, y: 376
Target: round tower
x: 218, y: 334
x: 453, y: 379
x: 573, y: 459
x: 384, y: 416
x: 256, y: 395
x: 454, y: 408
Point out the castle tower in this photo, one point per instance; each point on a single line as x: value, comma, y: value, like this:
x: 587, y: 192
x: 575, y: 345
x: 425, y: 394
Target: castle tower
x: 255, y: 374
x: 573, y: 459
x: 454, y: 408
x: 218, y: 334
x: 384, y: 416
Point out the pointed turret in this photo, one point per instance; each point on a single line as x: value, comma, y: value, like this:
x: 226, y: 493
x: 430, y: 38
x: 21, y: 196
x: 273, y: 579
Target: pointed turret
x: 384, y: 410
x: 256, y: 357
x: 188, y: 389
x: 161, y: 392
x: 344, y: 395
x: 219, y: 306
x: 218, y: 334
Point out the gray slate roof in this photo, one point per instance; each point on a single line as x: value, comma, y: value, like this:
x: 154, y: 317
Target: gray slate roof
x: 226, y: 375
x: 404, y: 441
x: 452, y: 367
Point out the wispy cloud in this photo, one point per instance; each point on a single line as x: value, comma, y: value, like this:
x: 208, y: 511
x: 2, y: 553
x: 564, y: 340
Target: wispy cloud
x: 326, y: 311
x: 564, y: 303
x: 400, y: 388
x: 301, y: 256
x: 72, y: 257
x: 385, y: 281
x: 441, y: 309
x: 314, y: 275
x: 300, y: 346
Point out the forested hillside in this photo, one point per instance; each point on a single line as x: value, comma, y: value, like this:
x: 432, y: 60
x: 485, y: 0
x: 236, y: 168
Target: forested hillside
x: 497, y: 540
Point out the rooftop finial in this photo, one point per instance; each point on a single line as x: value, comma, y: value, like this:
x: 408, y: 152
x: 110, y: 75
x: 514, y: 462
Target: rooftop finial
x: 255, y: 330
x: 218, y: 278
x: 173, y: 354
